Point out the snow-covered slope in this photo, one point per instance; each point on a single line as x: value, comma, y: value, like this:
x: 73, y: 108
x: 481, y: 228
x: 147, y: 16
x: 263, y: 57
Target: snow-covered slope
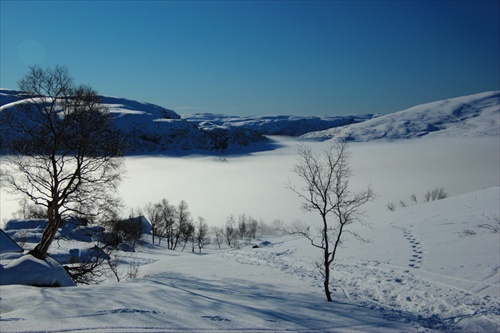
x: 427, y: 268
x: 151, y: 128
x: 474, y: 115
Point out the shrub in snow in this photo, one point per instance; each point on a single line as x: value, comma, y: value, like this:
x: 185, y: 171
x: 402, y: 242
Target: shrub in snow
x: 436, y: 194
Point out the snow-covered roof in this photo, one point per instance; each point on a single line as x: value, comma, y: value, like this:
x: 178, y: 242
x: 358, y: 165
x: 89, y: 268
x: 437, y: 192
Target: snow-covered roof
x: 7, y: 245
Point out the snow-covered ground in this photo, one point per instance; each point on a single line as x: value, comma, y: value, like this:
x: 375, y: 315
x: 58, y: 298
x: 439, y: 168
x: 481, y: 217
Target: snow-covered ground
x: 427, y: 267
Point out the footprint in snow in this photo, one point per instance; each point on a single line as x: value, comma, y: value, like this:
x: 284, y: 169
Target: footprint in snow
x: 215, y: 318
x: 416, y: 259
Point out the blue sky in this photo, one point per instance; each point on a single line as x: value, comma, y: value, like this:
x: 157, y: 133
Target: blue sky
x: 260, y: 57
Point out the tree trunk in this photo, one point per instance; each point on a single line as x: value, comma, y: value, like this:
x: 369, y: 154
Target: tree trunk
x: 326, y: 259
x: 327, y: 281
x: 54, y: 221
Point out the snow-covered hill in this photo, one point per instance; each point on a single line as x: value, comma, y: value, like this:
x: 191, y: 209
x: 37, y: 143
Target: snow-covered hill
x: 430, y: 267
x: 474, y: 115
x: 152, y: 128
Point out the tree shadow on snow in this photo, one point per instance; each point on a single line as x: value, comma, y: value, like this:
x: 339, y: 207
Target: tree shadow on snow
x: 231, y: 300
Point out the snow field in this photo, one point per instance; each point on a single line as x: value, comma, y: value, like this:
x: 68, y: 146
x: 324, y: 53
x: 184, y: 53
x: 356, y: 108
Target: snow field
x: 276, y: 288
x: 186, y: 292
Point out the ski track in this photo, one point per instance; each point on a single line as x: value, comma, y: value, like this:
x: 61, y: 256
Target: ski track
x: 386, y: 287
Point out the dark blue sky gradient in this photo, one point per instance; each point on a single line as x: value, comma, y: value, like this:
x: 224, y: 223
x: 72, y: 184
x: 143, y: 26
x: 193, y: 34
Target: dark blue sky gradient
x: 253, y: 58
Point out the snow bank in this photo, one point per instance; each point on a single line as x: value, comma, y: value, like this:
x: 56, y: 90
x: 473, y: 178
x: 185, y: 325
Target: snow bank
x: 28, y: 270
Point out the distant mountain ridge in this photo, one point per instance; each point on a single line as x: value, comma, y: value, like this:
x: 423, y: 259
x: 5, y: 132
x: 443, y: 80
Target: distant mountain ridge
x: 285, y: 125
x: 152, y: 128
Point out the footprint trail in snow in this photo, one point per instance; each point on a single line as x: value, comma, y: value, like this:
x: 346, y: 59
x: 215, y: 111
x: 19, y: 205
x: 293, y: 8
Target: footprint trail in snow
x: 417, y: 253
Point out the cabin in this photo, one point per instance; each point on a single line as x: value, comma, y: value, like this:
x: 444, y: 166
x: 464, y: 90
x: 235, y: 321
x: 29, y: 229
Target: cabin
x: 7, y: 245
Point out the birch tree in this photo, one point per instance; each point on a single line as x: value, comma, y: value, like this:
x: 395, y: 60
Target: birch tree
x: 62, y: 150
x: 325, y: 190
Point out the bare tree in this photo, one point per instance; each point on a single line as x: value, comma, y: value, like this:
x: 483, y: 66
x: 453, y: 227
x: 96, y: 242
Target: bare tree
x: 184, y: 225
x: 28, y: 210
x: 168, y: 226
x: 154, y: 216
x: 201, y: 235
x: 187, y: 234
x: 242, y: 226
x: 63, y: 152
x: 218, y: 236
x: 229, y: 231
x: 252, y: 227
x: 325, y: 190
x: 96, y: 266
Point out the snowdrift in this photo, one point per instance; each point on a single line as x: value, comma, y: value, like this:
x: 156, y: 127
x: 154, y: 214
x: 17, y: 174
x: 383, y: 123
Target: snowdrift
x: 27, y: 270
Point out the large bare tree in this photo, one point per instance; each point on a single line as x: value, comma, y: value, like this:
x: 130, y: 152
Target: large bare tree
x: 325, y: 190
x: 62, y: 149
